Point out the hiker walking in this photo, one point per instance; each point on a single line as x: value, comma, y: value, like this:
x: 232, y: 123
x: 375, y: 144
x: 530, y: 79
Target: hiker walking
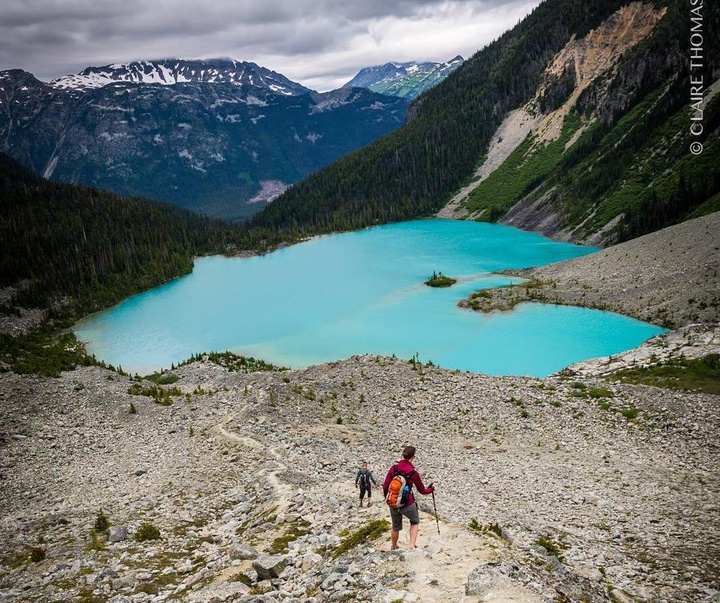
x: 363, y: 479
x: 402, y: 502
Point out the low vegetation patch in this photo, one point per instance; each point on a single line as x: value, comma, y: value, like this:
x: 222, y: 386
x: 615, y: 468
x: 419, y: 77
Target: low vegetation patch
x: 162, y: 378
x: 491, y: 529
x: 701, y: 375
x: 366, y: 533
x: 554, y: 549
x: 233, y: 362
x: 159, y: 394
x: 44, y: 353
x: 147, y: 531
x: 295, y: 530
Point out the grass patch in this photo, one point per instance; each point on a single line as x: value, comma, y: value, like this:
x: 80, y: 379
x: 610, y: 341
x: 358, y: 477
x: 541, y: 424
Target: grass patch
x: 280, y: 544
x: 630, y: 413
x: 491, y: 529
x: 554, y: 549
x: 702, y: 375
x: 366, y: 533
x: 600, y: 392
x: 162, y: 378
x: 147, y: 531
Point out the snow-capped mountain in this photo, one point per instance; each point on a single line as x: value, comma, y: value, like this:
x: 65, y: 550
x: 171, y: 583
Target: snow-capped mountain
x: 220, y: 137
x: 179, y: 71
x: 406, y: 80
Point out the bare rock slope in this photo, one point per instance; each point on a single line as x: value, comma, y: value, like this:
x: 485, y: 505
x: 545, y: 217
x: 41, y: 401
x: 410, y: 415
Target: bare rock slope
x: 670, y: 277
x: 543, y: 494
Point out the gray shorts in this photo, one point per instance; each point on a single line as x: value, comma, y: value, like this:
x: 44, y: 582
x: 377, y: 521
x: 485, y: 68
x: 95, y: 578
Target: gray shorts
x: 411, y: 512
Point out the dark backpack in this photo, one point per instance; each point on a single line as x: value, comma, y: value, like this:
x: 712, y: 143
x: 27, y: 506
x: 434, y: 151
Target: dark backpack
x: 399, y: 489
x: 365, y: 477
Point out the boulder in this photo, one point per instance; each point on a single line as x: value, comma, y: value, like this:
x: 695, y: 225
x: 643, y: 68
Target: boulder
x: 270, y: 566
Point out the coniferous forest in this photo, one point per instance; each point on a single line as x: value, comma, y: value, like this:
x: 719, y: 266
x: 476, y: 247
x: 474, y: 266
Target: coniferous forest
x: 65, y: 242
x: 414, y: 171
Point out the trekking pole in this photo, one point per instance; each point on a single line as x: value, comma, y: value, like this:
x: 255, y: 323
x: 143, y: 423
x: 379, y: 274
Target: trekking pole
x: 435, y: 508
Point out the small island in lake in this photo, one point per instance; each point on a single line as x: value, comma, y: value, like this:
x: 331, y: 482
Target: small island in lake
x: 438, y: 279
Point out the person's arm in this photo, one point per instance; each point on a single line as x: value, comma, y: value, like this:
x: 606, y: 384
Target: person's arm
x: 418, y: 483
x: 372, y: 478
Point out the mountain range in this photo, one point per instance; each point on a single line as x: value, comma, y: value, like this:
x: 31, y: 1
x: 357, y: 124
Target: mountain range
x: 406, y: 80
x: 219, y: 137
x: 577, y: 123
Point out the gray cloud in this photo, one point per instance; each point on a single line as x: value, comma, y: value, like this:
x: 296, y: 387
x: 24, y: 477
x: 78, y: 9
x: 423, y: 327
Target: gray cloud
x: 320, y: 43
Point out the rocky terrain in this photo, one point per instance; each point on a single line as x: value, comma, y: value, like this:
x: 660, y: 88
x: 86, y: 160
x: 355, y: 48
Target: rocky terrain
x: 558, y: 489
x: 670, y: 277
x: 224, y: 485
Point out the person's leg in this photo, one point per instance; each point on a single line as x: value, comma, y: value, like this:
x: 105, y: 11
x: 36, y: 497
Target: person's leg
x: 413, y: 535
x: 413, y: 516
x: 396, y: 518
x: 369, y: 493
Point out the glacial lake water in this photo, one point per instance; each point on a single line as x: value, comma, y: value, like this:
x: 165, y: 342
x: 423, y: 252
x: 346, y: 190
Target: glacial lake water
x: 362, y: 292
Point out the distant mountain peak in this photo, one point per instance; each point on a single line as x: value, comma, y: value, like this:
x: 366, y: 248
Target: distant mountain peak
x: 406, y: 80
x: 167, y: 72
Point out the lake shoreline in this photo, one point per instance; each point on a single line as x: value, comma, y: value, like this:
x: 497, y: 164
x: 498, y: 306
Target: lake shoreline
x: 617, y: 481
x: 669, y: 278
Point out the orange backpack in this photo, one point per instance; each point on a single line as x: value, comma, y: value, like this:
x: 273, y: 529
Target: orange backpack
x: 398, y: 490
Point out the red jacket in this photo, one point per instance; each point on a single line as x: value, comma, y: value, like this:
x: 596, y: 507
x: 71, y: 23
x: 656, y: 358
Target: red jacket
x: 405, y: 467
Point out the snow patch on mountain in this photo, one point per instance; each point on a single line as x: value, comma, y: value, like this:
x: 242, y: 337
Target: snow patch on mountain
x: 406, y: 80
x: 169, y: 72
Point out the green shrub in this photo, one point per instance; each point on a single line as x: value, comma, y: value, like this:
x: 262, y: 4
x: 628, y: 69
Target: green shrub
x: 162, y: 378
x: 489, y: 529
x: 553, y: 548
x: 600, y: 392
x: 147, y: 531
x: 102, y: 523
x: 630, y: 413
x: 37, y: 554
x: 695, y: 375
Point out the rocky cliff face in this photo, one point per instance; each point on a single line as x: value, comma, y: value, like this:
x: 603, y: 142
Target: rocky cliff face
x: 209, y: 136
x: 610, y: 100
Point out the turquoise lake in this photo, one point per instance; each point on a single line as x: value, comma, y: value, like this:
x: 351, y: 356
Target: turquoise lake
x: 362, y: 292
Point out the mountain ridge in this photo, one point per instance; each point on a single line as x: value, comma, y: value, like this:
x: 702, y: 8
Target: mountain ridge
x: 599, y: 190
x: 407, y: 80
x: 210, y: 144
x: 168, y: 72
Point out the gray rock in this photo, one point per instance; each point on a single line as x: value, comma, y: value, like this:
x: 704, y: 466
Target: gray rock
x: 270, y: 566
x: 482, y: 580
x: 242, y: 552
x: 117, y: 533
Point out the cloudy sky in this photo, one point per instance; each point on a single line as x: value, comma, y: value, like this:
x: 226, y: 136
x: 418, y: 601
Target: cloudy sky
x: 319, y: 43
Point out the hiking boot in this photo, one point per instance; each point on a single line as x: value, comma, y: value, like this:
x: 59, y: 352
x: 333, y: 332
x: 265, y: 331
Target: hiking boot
x: 369, y: 503
x: 360, y: 505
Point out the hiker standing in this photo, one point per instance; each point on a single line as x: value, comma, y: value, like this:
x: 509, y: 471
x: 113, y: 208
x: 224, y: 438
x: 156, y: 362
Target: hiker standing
x: 407, y: 507
x: 363, y: 479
